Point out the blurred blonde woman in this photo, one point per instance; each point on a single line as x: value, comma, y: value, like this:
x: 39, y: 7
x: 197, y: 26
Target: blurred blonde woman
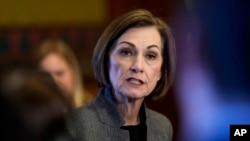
x: 56, y: 58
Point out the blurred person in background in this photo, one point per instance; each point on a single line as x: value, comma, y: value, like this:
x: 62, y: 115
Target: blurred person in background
x: 133, y: 59
x: 32, y: 106
x: 56, y: 58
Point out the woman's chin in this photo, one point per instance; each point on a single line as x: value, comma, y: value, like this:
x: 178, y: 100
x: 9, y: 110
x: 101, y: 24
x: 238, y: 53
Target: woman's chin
x: 135, y: 94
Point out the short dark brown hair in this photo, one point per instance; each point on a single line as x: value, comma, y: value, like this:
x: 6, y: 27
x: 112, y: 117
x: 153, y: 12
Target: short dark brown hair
x: 135, y: 18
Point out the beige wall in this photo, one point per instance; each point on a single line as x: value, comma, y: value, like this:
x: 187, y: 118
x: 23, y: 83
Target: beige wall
x: 52, y: 12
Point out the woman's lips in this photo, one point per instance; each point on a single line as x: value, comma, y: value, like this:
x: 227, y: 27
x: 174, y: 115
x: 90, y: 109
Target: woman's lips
x: 135, y: 81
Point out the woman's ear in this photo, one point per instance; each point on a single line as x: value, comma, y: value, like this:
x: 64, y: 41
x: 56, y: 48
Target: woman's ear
x: 159, y: 77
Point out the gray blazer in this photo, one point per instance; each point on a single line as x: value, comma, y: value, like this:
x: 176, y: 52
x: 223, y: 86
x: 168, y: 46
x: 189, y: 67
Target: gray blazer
x: 101, y: 121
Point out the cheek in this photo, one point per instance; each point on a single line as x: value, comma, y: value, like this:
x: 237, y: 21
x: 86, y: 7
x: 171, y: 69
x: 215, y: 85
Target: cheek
x: 113, y: 70
x: 116, y: 70
x: 69, y: 80
x: 155, y: 74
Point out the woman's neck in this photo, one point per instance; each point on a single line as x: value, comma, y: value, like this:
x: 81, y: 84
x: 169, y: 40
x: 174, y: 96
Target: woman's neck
x: 130, y: 111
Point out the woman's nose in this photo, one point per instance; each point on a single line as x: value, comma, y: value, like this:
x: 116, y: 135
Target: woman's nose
x: 137, y: 65
x: 57, y: 80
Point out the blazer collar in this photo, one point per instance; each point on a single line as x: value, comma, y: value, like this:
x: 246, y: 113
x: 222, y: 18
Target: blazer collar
x: 107, y: 110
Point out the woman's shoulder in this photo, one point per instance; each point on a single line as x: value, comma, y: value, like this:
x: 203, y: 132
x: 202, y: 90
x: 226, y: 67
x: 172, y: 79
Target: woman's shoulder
x: 158, y: 118
x: 81, y: 119
x: 82, y: 115
x: 159, y: 124
x: 85, y: 111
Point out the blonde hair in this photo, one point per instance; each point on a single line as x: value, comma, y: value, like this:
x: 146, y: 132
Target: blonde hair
x: 61, y: 48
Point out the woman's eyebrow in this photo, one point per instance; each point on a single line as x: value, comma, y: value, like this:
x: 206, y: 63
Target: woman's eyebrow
x: 126, y: 42
x: 151, y: 46
x: 131, y: 44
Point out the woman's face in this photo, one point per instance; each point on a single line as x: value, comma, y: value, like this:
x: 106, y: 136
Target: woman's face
x: 135, y: 63
x: 59, y: 69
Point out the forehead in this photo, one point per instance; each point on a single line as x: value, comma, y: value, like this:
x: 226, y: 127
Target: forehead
x: 142, y: 35
x: 54, y: 58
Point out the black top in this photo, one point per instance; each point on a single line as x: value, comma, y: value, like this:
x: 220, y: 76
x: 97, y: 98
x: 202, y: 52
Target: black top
x: 138, y: 132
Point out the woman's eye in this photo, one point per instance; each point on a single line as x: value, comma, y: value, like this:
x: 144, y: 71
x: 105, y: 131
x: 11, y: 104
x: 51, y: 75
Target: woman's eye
x: 151, y: 56
x: 126, y: 53
x: 59, y: 73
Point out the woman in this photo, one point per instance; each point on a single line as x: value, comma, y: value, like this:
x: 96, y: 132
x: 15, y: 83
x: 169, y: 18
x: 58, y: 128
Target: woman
x: 57, y: 59
x: 134, y: 59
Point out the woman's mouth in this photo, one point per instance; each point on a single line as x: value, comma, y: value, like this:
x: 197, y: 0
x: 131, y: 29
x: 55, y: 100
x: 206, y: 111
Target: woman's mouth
x: 135, y: 81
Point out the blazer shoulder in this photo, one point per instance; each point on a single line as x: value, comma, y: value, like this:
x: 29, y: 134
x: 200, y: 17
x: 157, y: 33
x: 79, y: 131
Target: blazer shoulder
x: 81, y: 119
x: 156, y: 116
x: 85, y: 112
x: 159, y: 122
